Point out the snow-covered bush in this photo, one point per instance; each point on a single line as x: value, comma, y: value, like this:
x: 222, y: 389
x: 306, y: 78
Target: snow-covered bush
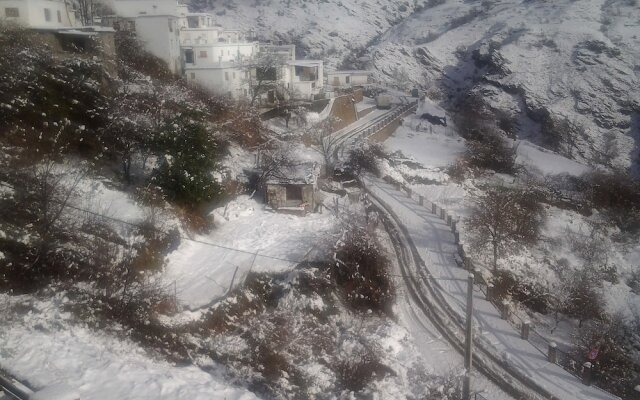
x: 361, y: 270
x: 365, y: 158
x: 487, y: 149
x: 504, y: 218
x: 618, y: 196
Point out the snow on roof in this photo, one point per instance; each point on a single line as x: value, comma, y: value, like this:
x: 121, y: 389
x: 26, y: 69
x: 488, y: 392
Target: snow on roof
x: 426, y: 106
x: 221, y: 65
x: 305, y: 63
x: 350, y: 72
x: 157, y: 16
x: 305, y: 174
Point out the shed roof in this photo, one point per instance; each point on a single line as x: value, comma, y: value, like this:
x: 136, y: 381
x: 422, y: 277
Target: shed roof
x: 302, y: 174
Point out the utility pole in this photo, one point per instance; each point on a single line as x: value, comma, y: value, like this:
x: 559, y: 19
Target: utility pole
x: 468, y: 345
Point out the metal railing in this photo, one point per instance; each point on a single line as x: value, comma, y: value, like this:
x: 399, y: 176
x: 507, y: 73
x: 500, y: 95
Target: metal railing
x: 12, y: 391
x: 566, y: 360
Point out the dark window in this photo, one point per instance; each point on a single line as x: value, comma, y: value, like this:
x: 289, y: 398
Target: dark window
x: 347, y: 79
x: 12, y: 12
x: 188, y: 56
x: 266, y: 73
x: 294, y: 192
x: 47, y: 14
x: 203, y: 54
x: 59, y: 16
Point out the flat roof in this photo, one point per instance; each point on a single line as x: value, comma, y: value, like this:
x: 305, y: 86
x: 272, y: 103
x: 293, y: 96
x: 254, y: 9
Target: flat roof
x: 347, y: 72
x: 304, y: 63
x: 224, y: 65
x: 218, y: 44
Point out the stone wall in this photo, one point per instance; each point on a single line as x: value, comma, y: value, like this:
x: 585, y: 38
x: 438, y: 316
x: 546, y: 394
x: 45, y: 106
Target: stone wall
x: 343, y: 111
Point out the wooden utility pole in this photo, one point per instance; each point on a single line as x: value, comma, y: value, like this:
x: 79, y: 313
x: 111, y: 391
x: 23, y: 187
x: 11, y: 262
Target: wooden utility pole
x: 468, y: 345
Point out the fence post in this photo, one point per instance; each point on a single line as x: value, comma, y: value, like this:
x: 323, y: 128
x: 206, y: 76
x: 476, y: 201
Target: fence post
x: 443, y: 213
x: 456, y: 237
x: 449, y: 219
x: 409, y: 191
x: 398, y: 187
x: 434, y: 208
x: 489, y: 291
x: 453, y: 226
x: 552, y: 356
x: 421, y: 200
x: 468, y: 264
x: 587, y: 373
x: 505, y: 310
x: 526, y: 326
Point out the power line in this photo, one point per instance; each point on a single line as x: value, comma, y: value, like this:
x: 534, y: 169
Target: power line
x: 137, y: 225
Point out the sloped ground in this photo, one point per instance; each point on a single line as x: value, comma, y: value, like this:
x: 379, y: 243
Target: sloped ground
x: 542, y: 63
x: 327, y: 29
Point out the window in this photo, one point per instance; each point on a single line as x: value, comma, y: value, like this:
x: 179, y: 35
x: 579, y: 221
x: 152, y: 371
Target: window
x: 193, y: 75
x: 170, y: 24
x: 47, y: 14
x: 226, y: 76
x: 234, y: 75
x: 347, y: 79
x: 59, y: 16
x: 12, y: 12
x: 203, y: 54
x: 188, y: 56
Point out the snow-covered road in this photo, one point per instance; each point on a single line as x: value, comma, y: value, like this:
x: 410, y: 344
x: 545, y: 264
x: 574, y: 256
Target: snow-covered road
x: 435, y: 244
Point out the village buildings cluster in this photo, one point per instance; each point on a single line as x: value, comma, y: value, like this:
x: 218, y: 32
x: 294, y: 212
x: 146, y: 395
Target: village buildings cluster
x: 226, y: 61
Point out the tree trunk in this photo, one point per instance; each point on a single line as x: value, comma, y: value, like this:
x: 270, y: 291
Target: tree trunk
x: 495, y: 257
x: 126, y: 168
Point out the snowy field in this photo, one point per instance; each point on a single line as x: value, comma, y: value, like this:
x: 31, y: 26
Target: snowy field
x: 256, y: 240
x: 48, y: 349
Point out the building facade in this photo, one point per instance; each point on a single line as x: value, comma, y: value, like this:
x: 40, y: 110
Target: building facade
x: 38, y: 14
x: 220, y: 60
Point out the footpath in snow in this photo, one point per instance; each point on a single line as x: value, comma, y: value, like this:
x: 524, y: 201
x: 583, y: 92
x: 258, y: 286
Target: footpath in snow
x: 435, y: 243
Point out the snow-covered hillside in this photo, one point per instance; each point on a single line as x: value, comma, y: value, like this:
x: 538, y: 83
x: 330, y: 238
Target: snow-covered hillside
x: 565, y: 72
x: 327, y: 29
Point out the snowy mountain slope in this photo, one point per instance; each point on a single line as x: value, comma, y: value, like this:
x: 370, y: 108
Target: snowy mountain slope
x: 325, y: 29
x: 544, y: 64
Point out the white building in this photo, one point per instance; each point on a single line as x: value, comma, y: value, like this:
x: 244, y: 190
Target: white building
x: 136, y: 8
x: 38, y: 14
x: 348, y: 78
x: 208, y: 55
x: 160, y: 35
x: 305, y: 78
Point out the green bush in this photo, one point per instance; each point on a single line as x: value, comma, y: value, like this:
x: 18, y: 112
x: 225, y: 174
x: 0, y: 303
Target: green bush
x: 190, y: 155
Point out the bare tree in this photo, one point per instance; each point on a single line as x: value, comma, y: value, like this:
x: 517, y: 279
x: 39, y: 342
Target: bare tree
x: 86, y: 9
x: 503, y: 217
x: 275, y: 161
x: 326, y: 142
x: 263, y: 75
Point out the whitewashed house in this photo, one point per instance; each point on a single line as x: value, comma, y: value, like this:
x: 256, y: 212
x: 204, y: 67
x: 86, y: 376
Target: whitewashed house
x: 216, y: 58
x: 160, y: 35
x: 305, y: 78
x: 136, y: 8
x: 38, y: 14
x: 350, y: 78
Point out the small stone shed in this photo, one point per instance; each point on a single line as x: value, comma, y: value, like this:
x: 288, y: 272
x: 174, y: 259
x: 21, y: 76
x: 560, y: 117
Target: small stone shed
x: 297, y: 193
